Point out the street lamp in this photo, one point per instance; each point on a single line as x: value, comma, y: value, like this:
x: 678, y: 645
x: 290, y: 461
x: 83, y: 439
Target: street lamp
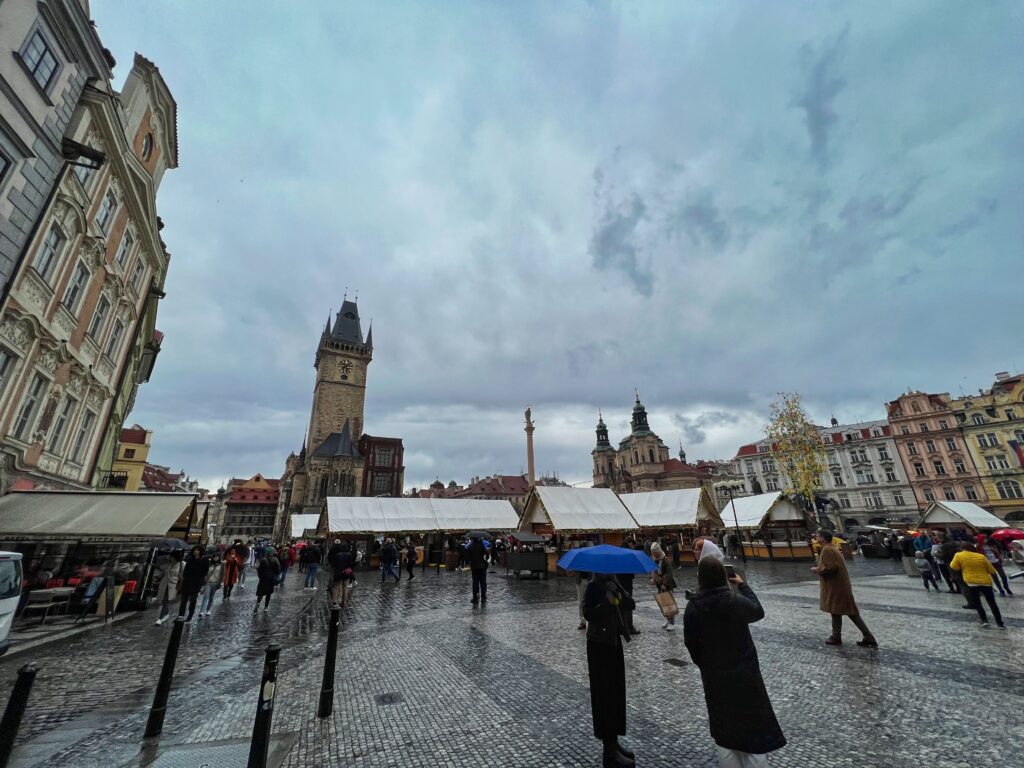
x: 731, y: 487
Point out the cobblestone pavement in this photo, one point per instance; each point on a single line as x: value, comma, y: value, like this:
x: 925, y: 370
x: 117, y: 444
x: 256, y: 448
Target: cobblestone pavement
x: 426, y: 679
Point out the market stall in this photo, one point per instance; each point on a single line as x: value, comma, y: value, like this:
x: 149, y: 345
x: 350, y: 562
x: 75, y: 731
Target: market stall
x: 959, y: 518
x: 770, y: 525
x: 369, y: 519
x: 68, y: 538
x: 682, y: 514
x: 304, y: 525
x: 576, y: 517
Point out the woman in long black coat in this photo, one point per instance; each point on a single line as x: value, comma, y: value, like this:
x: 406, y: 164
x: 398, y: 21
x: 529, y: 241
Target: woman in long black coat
x: 603, y: 605
x: 268, y: 572
x: 716, y: 632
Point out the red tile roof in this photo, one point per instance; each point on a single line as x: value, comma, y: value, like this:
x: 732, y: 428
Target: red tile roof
x: 135, y: 435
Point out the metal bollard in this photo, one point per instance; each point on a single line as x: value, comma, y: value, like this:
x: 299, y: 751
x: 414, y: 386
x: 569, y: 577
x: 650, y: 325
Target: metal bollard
x: 15, y: 711
x: 155, y: 724
x: 327, y: 687
x: 260, y: 744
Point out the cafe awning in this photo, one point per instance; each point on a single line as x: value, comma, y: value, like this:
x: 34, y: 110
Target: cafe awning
x: 680, y: 508
x: 404, y: 515
x: 80, y: 514
x: 568, y: 509
x: 960, y: 513
x: 301, y: 523
x: 755, y: 512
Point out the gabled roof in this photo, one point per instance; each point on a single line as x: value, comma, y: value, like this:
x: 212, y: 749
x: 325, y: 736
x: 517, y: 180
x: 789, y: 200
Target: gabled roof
x: 499, y: 485
x: 303, y: 522
x: 359, y: 514
x: 670, y: 509
x: 338, y: 444
x: 577, y: 509
x: 960, y: 513
x: 754, y: 512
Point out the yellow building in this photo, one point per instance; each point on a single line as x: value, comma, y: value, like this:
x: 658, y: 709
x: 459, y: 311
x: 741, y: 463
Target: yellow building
x: 130, y: 459
x: 992, y: 423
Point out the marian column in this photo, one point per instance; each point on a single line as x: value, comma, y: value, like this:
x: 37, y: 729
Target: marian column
x: 529, y: 448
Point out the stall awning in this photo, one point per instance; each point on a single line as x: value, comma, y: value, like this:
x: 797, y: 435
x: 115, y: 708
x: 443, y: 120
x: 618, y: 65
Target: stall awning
x: 960, y: 513
x: 403, y: 515
x: 756, y: 511
x: 92, y: 513
x: 303, y: 522
x: 681, y: 508
x: 577, y: 509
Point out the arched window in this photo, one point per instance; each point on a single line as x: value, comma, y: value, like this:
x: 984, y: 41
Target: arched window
x: 650, y: 453
x: 636, y: 457
x: 1009, y: 489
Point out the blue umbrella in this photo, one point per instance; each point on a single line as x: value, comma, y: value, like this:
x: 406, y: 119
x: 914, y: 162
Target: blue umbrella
x: 605, y: 558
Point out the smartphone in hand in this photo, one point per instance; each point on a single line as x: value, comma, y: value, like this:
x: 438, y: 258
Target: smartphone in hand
x: 730, y: 571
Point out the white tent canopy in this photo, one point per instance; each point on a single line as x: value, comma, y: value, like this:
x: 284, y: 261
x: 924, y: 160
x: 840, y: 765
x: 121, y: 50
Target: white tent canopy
x: 960, y: 513
x: 354, y: 514
x: 302, y: 523
x: 577, y: 509
x: 91, y: 513
x: 670, y: 509
x: 753, y: 512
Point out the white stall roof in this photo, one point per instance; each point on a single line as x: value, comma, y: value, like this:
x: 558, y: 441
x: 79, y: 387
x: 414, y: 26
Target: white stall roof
x: 669, y: 509
x: 401, y: 515
x: 578, y: 509
x: 755, y: 511
x: 960, y: 513
x: 91, y: 513
x: 302, y: 523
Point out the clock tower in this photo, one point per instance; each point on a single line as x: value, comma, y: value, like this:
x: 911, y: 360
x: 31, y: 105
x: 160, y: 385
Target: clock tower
x: 342, y: 359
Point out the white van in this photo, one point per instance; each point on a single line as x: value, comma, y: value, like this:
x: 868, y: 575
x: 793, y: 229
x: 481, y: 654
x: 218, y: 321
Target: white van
x: 10, y: 594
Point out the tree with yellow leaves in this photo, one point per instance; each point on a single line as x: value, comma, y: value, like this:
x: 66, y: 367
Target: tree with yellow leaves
x: 796, y: 446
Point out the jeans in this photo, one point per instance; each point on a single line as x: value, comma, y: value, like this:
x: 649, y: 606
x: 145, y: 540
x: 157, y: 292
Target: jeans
x: 387, y: 569
x: 480, y: 583
x: 928, y: 578
x: 975, y: 593
x: 210, y: 591
x: 1004, y: 590
x: 284, y: 572
x: 951, y: 582
x: 311, y: 569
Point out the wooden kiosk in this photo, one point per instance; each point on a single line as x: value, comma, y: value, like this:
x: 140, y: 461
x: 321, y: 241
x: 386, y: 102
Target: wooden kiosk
x: 579, y: 516
x: 684, y: 514
x: 771, y: 527
x: 951, y: 516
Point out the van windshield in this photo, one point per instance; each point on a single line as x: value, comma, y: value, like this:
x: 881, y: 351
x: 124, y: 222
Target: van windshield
x: 10, y: 579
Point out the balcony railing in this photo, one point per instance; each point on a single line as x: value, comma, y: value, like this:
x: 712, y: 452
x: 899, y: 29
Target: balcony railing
x: 115, y: 480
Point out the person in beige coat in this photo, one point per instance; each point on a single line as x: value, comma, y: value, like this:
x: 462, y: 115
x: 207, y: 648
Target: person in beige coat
x: 837, y: 593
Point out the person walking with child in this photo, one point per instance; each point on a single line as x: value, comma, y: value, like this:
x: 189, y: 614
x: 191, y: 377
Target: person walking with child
x: 925, y: 569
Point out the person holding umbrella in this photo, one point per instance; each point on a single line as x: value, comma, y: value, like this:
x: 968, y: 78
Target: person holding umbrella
x: 604, y: 604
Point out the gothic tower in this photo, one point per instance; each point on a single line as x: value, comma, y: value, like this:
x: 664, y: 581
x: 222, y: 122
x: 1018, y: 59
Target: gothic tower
x: 342, y: 359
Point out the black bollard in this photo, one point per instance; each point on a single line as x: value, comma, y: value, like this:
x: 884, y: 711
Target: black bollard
x: 327, y: 687
x: 260, y: 744
x: 155, y: 724
x: 15, y: 711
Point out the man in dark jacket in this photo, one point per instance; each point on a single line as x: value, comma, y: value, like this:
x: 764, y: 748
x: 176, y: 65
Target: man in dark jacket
x: 947, y: 551
x: 476, y: 554
x: 411, y: 556
x: 192, y: 580
x: 311, y: 556
x: 388, y: 560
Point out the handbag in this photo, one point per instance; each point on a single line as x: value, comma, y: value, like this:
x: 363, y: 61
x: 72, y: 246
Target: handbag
x: 667, y: 603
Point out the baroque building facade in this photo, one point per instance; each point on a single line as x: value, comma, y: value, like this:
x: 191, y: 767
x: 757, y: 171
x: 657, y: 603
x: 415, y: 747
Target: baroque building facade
x: 992, y: 423
x: 77, y: 322
x: 338, y: 458
x: 933, y: 449
x: 641, y: 462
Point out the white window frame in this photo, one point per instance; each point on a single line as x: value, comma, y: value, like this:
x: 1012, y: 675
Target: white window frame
x: 116, y: 337
x: 32, y: 59
x: 99, y: 317
x: 83, y: 438
x: 28, y: 411
x: 897, y: 498
x: 124, y: 249
x: 74, y: 302
x: 7, y: 362
x: 49, y: 253
x: 105, y: 214
x: 929, y: 494
x: 890, y: 475
x: 65, y: 415
x: 970, y: 493
x: 137, y: 272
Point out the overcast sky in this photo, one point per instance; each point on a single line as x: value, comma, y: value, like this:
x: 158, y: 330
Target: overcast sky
x: 554, y: 203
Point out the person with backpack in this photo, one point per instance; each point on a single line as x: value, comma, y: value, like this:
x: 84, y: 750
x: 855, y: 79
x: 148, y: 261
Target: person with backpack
x: 411, y: 556
x: 286, y: 556
x: 169, y: 589
x: 193, y: 577
x: 311, y: 557
x: 342, y: 563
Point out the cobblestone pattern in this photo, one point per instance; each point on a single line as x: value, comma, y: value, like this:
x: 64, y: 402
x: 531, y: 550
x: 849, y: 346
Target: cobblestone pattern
x: 506, y: 684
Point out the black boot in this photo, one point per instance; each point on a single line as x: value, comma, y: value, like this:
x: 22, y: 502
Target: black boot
x: 612, y: 758
x: 623, y: 751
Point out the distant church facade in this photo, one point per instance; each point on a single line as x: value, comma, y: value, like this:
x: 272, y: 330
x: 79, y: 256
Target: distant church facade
x: 338, y: 458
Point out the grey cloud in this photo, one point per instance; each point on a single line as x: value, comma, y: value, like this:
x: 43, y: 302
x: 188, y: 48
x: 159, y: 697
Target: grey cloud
x: 613, y: 242
x: 694, y: 428
x: 702, y: 221
x: 983, y: 208
x: 823, y: 82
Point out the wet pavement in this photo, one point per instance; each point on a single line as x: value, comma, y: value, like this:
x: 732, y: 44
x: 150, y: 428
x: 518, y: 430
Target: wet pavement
x: 426, y: 679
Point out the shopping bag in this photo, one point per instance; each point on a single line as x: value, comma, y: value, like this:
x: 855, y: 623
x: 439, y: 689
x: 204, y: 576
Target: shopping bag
x: 667, y: 603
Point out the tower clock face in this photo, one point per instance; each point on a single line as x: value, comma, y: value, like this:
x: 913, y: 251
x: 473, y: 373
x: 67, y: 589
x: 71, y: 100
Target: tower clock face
x: 346, y: 368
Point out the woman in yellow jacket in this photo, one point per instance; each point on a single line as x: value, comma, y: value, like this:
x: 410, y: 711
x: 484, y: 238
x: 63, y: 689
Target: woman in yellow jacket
x: 977, y: 574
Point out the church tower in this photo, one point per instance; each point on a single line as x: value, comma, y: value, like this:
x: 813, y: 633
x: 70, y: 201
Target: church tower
x: 342, y: 359
x: 604, y: 457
